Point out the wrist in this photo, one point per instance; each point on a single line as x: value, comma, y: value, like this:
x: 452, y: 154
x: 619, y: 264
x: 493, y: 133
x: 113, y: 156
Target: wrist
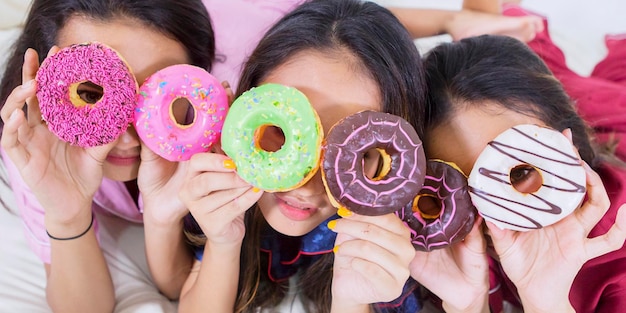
x: 160, y: 222
x: 68, y: 228
x: 338, y: 307
x: 559, y: 306
x: 481, y: 305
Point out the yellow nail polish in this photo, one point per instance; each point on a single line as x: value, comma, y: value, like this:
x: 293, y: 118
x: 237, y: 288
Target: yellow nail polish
x: 343, y: 212
x: 335, y: 249
x: 229, y: 164
x: 332, y: 224
x: 255, y: 189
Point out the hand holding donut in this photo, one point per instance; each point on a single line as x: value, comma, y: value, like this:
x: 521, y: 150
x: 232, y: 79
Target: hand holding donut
x: 159, y: 178
x: 458, y: 273
x: 217, y: 197
x: 372, y: 257
x: 546, y: 260
x: 52, y: 168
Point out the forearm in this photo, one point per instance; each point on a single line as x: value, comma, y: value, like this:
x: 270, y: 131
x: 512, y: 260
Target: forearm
x: 78, y: 276
x: 424, y: 22
x: 215, y: 283
x: 168, y: 255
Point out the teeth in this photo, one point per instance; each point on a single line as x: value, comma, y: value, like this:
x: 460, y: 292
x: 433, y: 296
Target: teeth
x: 297, y: 207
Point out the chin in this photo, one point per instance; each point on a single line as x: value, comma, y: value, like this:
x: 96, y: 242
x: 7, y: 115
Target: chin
x: 290, y: 228
x: 120, y: 173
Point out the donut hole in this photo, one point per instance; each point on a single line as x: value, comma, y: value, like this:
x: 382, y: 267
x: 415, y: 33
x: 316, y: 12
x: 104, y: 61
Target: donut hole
x: 376, y: 164
x: 269, y: 138
x: 84, y: 93
x: 428, y: 206
x: 525, y: 178
x: 183, y: 112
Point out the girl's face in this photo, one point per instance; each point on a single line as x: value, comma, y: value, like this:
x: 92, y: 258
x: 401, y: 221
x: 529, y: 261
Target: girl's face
x: 145, y: 51
x: 465, y: 136
x: 336, y: 86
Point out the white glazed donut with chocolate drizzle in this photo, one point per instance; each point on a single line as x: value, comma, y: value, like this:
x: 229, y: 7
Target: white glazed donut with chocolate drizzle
x: 527, y: 178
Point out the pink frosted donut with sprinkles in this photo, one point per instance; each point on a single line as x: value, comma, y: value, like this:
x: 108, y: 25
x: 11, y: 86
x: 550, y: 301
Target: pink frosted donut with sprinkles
x: 401, y: 173
x: 442, y: 213
x: 86, y: 94
x: 156, y: 123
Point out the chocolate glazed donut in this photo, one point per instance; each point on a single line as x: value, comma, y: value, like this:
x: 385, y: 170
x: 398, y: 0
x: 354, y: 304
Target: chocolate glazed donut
x: 442, y: 213
x: 403, y: 169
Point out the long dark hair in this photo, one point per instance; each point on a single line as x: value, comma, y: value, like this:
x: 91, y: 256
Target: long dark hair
x: 506, y: 72
x: 386, y: 51
x: 186, y: 21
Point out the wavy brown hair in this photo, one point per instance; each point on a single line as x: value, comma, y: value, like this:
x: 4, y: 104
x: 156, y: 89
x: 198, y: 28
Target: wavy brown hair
x: 386, y: 51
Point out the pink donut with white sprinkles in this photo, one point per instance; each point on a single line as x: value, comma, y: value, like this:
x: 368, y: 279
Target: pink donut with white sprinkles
x: 156, y: 124
x: 67, y: 80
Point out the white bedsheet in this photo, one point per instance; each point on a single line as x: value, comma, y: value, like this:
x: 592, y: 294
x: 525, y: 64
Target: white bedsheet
x: 577, y: 26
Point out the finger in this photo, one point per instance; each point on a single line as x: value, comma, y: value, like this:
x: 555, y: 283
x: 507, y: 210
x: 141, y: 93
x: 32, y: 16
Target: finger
x: 502, y: 238
x: 229, y: 92
x: 383, y: 237
x: 29, y: 71
x: 380, y: 267
x: 390, y: 222
x: 597, y: 202
x: 146, y: 154
x: 210, y: 162
x: 229, y: 211
x: 17, y: 99
x: 474, y: 241
x: 568, y: 133
x: 612, y: 240
x: 10, y: 138
x: 205, y: 183
x: 217, y: 200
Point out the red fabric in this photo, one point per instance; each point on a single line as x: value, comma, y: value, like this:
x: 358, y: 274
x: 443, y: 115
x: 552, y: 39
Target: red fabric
x: 601, y: 97
x: 600, y: 286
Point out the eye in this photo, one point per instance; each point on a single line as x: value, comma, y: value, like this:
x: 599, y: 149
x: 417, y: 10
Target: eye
x: 90, y: 92
x: 525, y: 179
x: 376, y: 163
x: 520, y: 174
x: 270, y: 138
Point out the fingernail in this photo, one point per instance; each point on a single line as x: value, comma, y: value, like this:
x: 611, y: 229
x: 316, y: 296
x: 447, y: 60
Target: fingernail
x: 28, y: 84
x: 335, y: 249
x: 229, y: 164
x: 255, y: 189
x: 343, y: 212
x: 332, y: 224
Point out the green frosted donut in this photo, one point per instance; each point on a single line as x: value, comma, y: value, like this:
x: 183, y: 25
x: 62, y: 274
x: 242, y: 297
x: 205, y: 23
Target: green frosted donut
x: 288, y: 109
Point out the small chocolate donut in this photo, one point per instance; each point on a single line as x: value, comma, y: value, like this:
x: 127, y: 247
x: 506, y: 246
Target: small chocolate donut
x: 442, y: 213
x: 403, y: 169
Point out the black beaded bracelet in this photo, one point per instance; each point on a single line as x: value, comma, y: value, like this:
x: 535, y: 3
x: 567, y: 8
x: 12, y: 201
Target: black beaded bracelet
x: 74, y: 237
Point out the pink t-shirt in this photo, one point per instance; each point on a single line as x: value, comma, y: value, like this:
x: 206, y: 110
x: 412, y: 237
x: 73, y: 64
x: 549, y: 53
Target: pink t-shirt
x: 112, y: 198
x: 238, y: 27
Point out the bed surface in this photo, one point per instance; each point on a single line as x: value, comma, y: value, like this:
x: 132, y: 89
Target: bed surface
x: 577, y: 26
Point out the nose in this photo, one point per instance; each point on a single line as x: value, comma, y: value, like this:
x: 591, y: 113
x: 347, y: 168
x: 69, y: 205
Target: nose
x: 129, y: 139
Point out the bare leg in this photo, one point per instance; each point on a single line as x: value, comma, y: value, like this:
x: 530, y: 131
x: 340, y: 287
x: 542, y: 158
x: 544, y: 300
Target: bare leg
x: 470, y: 23
x: 486, y: 6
